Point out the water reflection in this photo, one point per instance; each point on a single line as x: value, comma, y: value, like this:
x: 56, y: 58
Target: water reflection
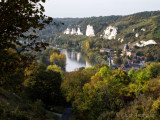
x: 75, y: 60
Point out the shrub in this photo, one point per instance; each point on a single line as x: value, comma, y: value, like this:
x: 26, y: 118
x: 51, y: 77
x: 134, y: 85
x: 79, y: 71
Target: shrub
x: 38, y: 109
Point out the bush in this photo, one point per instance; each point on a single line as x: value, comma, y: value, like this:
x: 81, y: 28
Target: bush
x: 38, y: 109
x: 108, y: 115
x: 156, y: 108
x: 18, y: 115
x: 44, y: 85
x: 8, y: 113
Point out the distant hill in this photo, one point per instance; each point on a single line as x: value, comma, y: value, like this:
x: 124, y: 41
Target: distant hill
x: 131, y: 29
x: 125, y: 24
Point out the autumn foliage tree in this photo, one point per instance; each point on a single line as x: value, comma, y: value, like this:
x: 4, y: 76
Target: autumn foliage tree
x: 58, y: 59
x: 17, y: 18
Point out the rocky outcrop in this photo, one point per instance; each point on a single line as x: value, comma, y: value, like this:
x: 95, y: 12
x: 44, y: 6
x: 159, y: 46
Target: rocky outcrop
x: 79, y: 32
x: 143, y: 29
x: 90, y: 31
x: 110, y: 33
x: 137, y: 35
x: 73, y: 31
x: 133, y: 30
x: 67, y: 31
x: 120, y: 40
x: 145, y: 43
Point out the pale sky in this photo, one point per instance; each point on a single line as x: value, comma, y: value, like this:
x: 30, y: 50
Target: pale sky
x: 89, y: 8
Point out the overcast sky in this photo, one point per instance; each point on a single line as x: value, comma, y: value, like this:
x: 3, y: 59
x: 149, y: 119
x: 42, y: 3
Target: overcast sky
x: 88, y: 8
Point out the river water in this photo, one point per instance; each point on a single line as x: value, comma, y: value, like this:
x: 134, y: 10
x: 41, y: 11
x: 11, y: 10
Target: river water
x: 75, y: 60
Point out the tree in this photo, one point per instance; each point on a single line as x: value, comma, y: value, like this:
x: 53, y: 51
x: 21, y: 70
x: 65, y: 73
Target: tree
x: 19, y: 19
x: 54, y: 51
x: 56, y: 69
x: 58, y: 59
x: 11, y: 69
x: 87, y: 46
x: 74, y: 81
x: 44, y: 85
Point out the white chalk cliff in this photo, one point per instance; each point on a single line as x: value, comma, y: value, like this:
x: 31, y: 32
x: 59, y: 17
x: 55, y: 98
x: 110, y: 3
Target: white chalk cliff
x: 73, y: 31
x: 133, y: 30
x: 110, y: 33
x: 143, y: 29
x: 79, y: 32
x: 145, y: 43
x: 90, y: 31
x: 137, y: 35
x: 67, y: 31
x: 120, y: 40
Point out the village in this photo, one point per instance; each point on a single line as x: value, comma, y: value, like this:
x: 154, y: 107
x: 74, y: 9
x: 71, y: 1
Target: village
x: 127, y: 60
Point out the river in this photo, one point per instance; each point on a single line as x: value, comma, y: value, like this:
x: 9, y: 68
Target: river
x: 75, y: 60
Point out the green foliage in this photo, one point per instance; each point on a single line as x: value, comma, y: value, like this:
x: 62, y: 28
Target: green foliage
x: 44, y: 85
x: 97, y: 95
x: 55, y: 68
x: 20, y: 20
x: 13, y: 107
x: 12, y: 69
x: 28, y: 18
x: 108, y: 115
x: 151, y: 71
x: 104, y: 72
x: 110, y: 94
x: 38, y: 109
x: 73, y: 83
x: 157, y: 34
x: 6, y: 113
x: 131, y: 73
x: 156, y: 108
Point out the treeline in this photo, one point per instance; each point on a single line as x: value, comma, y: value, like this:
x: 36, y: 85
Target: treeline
x: 102, y: 93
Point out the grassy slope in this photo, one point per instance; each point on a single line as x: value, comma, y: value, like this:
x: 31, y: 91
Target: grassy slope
x: 125, y: 24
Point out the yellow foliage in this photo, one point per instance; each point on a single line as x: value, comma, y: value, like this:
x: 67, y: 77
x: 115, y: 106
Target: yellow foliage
x: 87, y: 45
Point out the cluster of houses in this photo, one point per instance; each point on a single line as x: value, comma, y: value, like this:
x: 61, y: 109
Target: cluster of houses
x: 131, y: 63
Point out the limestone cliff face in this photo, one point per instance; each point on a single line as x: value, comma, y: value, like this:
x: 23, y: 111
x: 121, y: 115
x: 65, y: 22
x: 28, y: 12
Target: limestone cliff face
x: 120, y: 40
x: 79, y: 32
x: 137, y: 35
x: 90, y: 31
x: 67, y: 31
x: 110, y: 33
x: 145, y: 43
x: 73, y: 31
x: 143, y: 29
